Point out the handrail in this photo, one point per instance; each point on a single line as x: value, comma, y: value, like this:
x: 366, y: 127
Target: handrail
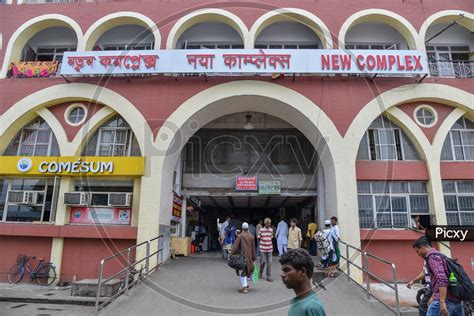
x: 365, y: 268
x: 129, y: 266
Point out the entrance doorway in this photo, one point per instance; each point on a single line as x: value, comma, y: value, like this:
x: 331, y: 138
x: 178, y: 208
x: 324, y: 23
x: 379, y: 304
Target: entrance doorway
x: 251, y: 209
x: 258, y: 148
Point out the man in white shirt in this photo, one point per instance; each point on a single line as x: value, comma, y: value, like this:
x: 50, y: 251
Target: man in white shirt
x: 282, y: 237
x: 336, y: 238
x: 335, y: 228
x: 222, y: 234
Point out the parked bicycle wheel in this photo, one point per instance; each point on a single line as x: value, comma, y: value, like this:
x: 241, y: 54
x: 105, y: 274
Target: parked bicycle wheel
x: 46, y: 275
x: 16, y: 273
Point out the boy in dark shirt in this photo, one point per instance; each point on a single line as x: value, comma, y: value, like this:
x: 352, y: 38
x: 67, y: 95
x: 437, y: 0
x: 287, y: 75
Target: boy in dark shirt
x: 297, y: 270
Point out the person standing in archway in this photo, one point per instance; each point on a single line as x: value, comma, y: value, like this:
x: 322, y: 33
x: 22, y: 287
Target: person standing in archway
x: 266, y: 249
x: 282, y: 236
x: 294, y: 235
x: 245, y: 245
x: 310, y: 232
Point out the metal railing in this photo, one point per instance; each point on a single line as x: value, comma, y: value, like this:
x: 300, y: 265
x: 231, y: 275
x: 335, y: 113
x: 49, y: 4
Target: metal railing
x: 129, y: 268
x: 368, y: 275
x: 452, y: 68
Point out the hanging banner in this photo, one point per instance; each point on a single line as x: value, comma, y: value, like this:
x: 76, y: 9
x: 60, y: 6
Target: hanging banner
x: 97, y: 215
x: 246, y: 184
x: 33, y: 69
x: 246, y: 61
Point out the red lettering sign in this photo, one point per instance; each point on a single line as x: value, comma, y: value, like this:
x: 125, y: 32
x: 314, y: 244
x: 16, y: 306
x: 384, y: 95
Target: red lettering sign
x: 246, y: 184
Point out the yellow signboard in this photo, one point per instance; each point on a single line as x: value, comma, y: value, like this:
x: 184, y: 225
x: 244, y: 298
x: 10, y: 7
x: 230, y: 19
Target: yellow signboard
x: 72, y: 166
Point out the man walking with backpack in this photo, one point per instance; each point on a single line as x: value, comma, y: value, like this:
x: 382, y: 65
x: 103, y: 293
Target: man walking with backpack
x: 446, y: 281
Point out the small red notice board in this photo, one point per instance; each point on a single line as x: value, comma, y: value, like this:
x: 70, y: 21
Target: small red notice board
x: 246, y: 184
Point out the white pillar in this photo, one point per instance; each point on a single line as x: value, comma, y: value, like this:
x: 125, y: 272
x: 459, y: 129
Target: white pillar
x: 435, y: 193
x: 183, y: 217
x: 321, y: 197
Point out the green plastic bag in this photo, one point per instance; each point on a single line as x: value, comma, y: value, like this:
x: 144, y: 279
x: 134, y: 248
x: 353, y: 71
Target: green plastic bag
x: 256, y: 273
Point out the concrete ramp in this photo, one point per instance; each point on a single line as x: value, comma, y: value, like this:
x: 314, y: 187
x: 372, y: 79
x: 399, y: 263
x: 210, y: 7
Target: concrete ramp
x: 205, y: 285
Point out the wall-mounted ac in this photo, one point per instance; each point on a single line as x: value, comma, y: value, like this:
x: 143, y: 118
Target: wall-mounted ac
x: 120, y: 199
x: 22, y: 197
x: 77, y: 198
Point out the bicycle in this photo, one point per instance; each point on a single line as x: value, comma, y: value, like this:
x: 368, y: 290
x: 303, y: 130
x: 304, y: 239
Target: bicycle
x: 44, y: 273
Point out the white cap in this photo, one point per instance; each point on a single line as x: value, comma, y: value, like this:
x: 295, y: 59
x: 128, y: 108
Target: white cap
x: 245, y: 225
x: 327, y: 222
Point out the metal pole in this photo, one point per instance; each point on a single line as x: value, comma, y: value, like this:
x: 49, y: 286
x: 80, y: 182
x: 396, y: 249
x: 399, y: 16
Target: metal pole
x: 101, y: 271
x: 127, y: 272
x: 348, y: 264
x: 367, y: 275
x: 157, y: 252
x: 147, y: 261
x: 394, y: 273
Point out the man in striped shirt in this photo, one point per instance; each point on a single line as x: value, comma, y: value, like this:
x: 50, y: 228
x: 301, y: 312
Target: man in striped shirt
x: 266, y: 248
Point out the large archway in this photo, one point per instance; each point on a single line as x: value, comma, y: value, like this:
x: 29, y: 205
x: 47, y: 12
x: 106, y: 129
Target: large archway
x: 397, y: 22
x: 26, y: 31
x: 283, y: 103
x: 23, y: 110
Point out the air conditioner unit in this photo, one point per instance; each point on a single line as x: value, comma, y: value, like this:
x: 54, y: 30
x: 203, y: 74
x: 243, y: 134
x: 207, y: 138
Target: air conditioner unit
x: 22, y: 197
x: 77, y: 198
x: 120, y: 199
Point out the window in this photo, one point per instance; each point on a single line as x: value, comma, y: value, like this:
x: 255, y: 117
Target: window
x: 230, y: 151
x: 99, y: 189
x: 386, y: 141
x: 286, y: 46
x: 449, y: 61
x: 35, y: 139
x: 123, y: 46
x: 210, y: 45
x: 114, y: 138
x: 75, y: 114
x: 459, y: 202
x: 46, y: 53
x: 382, y: 46
x: 391, y: 204
x: 40, y: 207
x: 425, y: 116
x: 459, y: 144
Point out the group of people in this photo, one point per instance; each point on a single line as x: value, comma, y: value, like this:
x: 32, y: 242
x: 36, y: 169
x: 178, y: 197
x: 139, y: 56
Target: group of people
x: 286, y: 237
x: 296, y: 265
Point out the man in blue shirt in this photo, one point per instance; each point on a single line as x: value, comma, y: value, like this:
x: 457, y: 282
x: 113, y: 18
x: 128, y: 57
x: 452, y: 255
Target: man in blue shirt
x: 297, y: 270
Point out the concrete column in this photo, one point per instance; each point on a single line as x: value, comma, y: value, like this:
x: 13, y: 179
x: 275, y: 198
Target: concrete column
x: 183, y: 217
x: 435, y: 192
x: 348, y: 213
x: 136, y: 201
x: 149, y: 208
x: 62, y: 210
x: 66, y: 184
x: 321, y: 206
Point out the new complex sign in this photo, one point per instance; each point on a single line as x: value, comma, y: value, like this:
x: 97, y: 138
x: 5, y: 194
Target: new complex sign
x: 246, y: 61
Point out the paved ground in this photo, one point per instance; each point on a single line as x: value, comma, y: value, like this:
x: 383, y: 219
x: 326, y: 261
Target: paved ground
x: 199, y: 285
x: 28, y: 309
x: 204, y: 285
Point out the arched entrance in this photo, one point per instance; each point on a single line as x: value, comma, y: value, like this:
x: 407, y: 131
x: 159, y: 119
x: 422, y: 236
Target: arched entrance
x: 242, y: 96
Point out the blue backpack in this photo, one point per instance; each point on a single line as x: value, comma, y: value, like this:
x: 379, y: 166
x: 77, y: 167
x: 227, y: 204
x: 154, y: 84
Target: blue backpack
x: 229, y: 235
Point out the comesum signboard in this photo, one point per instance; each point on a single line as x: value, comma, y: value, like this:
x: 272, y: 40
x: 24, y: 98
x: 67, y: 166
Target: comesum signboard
x: 72, y: 166
x: 246, y: 61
